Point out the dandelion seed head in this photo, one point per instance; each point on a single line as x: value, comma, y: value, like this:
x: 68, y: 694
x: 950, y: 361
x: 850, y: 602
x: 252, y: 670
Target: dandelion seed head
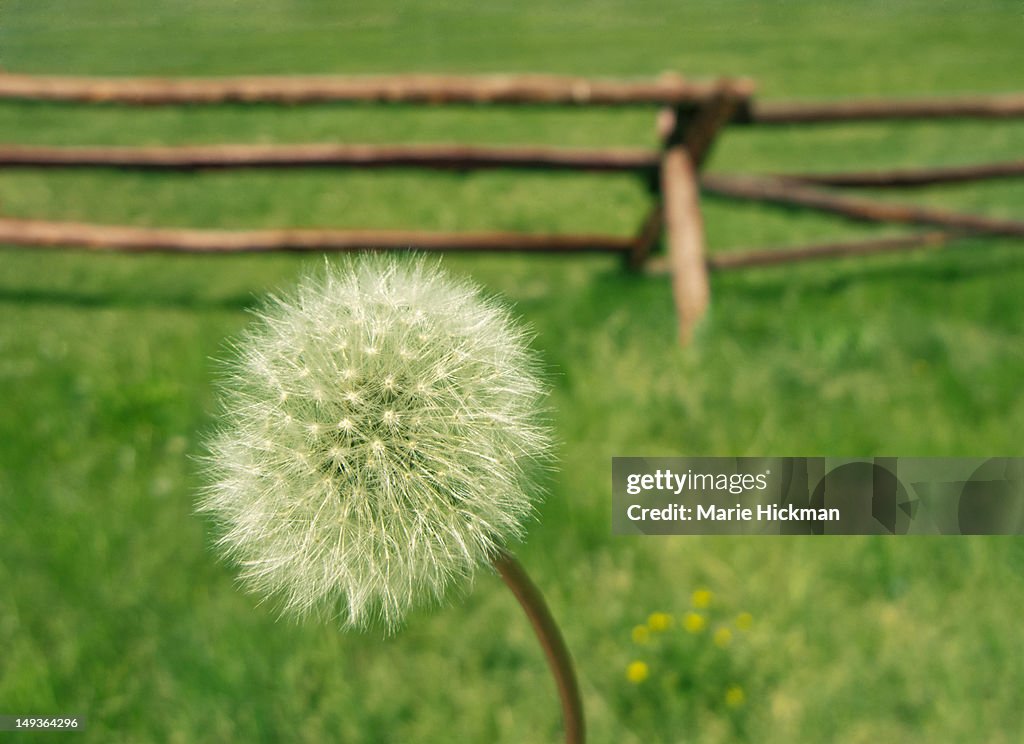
x: 381, y: 428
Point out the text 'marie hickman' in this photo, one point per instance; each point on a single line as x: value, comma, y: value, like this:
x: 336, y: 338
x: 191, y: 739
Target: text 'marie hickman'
x: 667, y: 481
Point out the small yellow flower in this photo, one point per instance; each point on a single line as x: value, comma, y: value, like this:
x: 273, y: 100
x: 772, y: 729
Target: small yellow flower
x: 723, y: 637
x: 694, y: 622
x: 641, y: 634
x: 735, y: 697
x: 702, y: 598
x: 638, y: 671
x: 659, y: 621
x: 744, y: 620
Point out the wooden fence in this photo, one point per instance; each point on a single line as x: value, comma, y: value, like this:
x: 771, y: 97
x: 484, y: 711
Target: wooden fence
x: 691, y: 115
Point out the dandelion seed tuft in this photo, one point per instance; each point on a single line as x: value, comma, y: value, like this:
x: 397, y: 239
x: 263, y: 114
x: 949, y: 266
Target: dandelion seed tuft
x: 380, y: 430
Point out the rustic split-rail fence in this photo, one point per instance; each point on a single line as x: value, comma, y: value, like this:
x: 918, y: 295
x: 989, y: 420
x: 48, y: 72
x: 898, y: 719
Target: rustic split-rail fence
x: 691, y: 114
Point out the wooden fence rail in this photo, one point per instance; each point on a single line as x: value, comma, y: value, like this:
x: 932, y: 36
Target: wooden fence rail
x: 870, y: 210
x: 667, y: 90
x: 1001, y: 106
x: 445, y: 157
x: 760, y: 257
x: 842, y: 249
x: 909, y: 177
x: 47, y: 234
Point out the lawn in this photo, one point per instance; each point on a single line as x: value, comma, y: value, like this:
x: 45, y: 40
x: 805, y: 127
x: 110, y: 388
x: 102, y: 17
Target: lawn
x: 113, y: 604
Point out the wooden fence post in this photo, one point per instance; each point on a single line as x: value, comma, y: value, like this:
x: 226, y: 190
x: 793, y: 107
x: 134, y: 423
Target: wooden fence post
x: 688, y: 140
x: 690, y: 288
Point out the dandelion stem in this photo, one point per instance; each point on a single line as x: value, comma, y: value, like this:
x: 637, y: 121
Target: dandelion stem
x: 550, y: 637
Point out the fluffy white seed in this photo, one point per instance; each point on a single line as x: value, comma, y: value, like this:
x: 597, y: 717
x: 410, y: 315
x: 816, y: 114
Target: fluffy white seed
x: 385, y: 448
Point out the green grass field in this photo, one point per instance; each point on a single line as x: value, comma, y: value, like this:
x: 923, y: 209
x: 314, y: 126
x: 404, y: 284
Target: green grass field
x: 112, y: 603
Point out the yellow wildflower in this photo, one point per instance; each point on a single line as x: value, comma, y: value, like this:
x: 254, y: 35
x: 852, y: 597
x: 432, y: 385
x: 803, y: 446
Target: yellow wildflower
x: 641, y: 634
x: 723, y: 637
x: 702, y: 598
x: 637, y: 672
x: 659, y: 621
x: 744, y: 620
x: 694, y: 622
x: 735, y: 697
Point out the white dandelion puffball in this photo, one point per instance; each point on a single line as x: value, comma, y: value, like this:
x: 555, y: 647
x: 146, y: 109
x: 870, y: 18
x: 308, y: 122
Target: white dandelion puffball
x: 380, y: 427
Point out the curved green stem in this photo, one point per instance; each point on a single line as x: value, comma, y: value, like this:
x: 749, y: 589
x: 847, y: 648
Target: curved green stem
x: 550, y: 637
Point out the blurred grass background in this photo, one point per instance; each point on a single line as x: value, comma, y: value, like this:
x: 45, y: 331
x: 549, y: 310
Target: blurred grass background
x: 111, y: 602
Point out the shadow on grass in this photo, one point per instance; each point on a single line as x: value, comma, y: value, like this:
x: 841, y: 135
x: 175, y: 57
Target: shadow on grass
x: 948, y: 266
x: 102, y: 300
x: 817, y: 277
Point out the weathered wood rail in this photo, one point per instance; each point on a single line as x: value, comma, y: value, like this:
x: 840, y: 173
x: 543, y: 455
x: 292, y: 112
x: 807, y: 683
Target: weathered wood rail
x: 666, y: 90
x: 782, y: 192
x: 883, y: 109
x: 439, y: 156
x: 911, y: 177
x: 46, y: 234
